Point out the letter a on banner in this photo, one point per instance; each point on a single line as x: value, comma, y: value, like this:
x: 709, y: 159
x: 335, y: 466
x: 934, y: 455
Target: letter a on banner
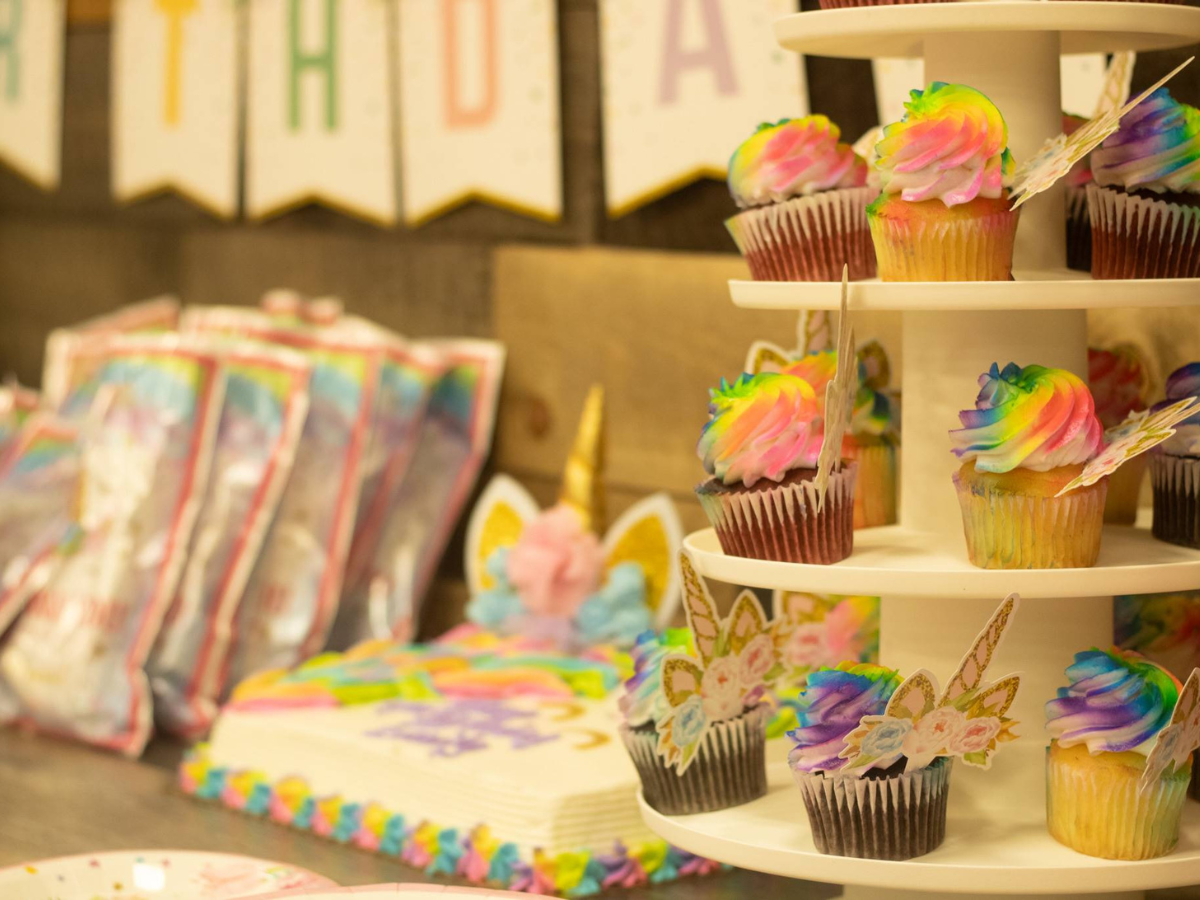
x: 176, y: 100
x: 479, y: 106
x: 31, y: 72
x: 686, y: 81
x: 318, y: 117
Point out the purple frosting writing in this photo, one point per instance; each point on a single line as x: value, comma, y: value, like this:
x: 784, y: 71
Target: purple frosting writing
x: 462, y: 726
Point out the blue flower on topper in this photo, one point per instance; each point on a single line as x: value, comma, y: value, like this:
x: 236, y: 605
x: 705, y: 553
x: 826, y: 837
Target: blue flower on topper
x: 550, y: 575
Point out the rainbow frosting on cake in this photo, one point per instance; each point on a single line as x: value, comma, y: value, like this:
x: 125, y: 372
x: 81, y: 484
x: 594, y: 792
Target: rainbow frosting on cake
x: 831, y: 707
x: 1103, y: 725
x: 761, y: 427
x: 791, y: 158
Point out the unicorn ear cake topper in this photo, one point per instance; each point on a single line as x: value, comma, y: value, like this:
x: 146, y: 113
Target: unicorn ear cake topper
x: 553, y: 574
x: 733, y: 663
x: 1174, y: 745
x: 839, y: 396
x: 966, y: 720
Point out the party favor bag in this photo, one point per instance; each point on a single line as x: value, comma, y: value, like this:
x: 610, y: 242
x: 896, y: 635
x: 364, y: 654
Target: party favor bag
x: 291, y: 599
x: 69, y: 361
x: 266, y: 400
x: 74, y: 661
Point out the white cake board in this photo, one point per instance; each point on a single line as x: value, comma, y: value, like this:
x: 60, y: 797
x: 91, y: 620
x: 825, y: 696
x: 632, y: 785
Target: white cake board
x: 933, y: 600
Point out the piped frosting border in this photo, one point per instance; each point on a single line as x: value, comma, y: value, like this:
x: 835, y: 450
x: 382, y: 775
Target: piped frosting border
x: 476, y: 854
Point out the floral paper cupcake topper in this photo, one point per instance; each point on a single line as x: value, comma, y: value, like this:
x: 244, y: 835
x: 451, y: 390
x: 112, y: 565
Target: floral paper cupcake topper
x: 1174, y: 745
x: 966, y: 720
x: 735, y: 659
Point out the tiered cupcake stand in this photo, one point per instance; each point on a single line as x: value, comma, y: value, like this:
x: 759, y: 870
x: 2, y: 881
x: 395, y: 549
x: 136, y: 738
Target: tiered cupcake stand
x: 934, y: 601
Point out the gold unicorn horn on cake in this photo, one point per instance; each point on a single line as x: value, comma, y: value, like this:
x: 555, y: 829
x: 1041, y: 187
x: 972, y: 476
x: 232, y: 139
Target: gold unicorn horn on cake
x: 583, y: 487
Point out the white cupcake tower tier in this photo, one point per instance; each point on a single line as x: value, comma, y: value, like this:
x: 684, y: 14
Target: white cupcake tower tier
x: 933, y: 600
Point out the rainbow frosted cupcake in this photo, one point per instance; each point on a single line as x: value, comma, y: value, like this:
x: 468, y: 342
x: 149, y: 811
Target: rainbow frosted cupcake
x: 804, y: 199
x: 1030, y: 434
x: 1145, y: 202
x: 1079, y: 223
x: 761, y: 444
x: 1102, y: 728
x: 870, y: 442
x: 1175, y: 467
x: 885, y: 813
x: 1118, y: 382
x: 944, y: 213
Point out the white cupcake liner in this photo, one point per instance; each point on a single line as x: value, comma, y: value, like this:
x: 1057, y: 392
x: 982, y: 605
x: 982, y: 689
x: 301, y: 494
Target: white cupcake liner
x: 978, y: 249
x: 1102, y: 815
x: 1176, y: 484
x: 781, y: 523
x: 730, y: 767
x: 893, y: 817
x: 807, y: 238
x: 1135, y: 236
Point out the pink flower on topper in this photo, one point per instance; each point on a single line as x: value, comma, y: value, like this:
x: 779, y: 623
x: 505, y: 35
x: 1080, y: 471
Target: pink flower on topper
x: 977, y: 735
x: 933, y: 734
x: 557, y: 563
x: 721, y: 689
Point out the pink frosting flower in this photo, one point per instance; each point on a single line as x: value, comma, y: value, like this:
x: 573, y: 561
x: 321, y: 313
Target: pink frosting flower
x: 557, y: 563
x: 721, y: 689
x: 975, y: 736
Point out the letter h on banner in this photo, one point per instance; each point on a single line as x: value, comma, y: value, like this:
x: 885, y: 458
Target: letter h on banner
x: 303, y: 61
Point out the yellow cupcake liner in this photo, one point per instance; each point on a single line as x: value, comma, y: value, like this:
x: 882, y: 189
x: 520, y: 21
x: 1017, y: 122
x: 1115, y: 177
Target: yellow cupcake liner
x: 875, y: 488
x: 977, y: 249
x: 1093, y: 805
x: 1007, y: 530
x: 1124, y: 489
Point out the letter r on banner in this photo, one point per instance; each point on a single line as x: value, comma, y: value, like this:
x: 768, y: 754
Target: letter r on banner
x: 10, y: 28
x: 713, y: 55
x: 175, y: 11
x: 323, y: 61
x: 458, y: 114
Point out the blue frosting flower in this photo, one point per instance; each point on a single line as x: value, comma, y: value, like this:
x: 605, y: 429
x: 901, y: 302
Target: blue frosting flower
x: 502, y: 865
x: 491, y: 609
x: 348, y: 822
x: 392, y: 842
x: 445, y: 862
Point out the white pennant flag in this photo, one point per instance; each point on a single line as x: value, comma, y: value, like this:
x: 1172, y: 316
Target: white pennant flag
x: 479, y: 106
x: 175, y: 101
x: 685, y: 82
x: 318, y: 117
x: 31, y: 73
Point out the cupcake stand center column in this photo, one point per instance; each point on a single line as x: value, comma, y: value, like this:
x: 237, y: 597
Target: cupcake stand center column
x: 944, y: 354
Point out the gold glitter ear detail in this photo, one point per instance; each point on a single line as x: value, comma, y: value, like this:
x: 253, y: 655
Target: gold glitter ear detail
x: 974, y: 665
x: 701, y: 610
x: 746, y: 621
x: 646, y: 543
x: 988, y: 704
x: 681, y: 679
x: 502, y: 528
x: 913, y: 699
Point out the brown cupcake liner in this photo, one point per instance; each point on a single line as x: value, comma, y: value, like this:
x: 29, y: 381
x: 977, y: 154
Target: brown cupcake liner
x: 897, y: 816
x: 1124, y: 491
x: 807, y: 238
x: 978, y: 249
x: 1007, y: 530
x: 1176, y: 486
x: 1079, y: 230
x: 781, y: 522
x: 730, y: 767
x: 1135, y: 236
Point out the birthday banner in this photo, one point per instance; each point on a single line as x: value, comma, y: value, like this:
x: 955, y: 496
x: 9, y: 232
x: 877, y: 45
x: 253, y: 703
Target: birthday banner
x: 319, y: 109
x: 31, y: 74
x: 175, y: 101
x: 686, y: 81
x: 479, y: 106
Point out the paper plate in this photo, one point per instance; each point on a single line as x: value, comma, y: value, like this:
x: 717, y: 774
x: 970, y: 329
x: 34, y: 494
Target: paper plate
x: 153, y: 875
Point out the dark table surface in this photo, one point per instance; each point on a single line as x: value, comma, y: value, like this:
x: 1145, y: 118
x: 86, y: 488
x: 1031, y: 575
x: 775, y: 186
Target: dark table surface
x: 59, y: 799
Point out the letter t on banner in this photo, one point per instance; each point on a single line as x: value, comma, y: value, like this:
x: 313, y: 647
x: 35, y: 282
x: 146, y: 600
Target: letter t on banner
x: 175, y: 101
x: 31, y: 74
x: 318, y: 116
x: 479, y: 106
x: 686, y: 81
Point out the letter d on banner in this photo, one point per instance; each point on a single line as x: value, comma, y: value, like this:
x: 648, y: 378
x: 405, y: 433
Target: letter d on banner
x: 686, y: 81
x: 318, y: 116
x: 479, y: 106
x: 31, y: 72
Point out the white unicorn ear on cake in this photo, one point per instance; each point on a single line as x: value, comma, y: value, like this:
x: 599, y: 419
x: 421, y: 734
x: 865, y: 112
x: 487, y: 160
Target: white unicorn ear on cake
x: 647, y: 535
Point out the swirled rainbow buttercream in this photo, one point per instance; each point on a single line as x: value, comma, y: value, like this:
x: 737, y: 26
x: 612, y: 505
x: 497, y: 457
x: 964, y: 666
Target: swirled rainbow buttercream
x: 643, y: 701
x: 791, y: 158
x: 951, y: 145
x: 1117, y: 700
x: 1031, y: 418
x: 831, y: 707
x: 1157, y: 148
x: 1182, y: 383
x: 761, y: 426
x: 873, y: 413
